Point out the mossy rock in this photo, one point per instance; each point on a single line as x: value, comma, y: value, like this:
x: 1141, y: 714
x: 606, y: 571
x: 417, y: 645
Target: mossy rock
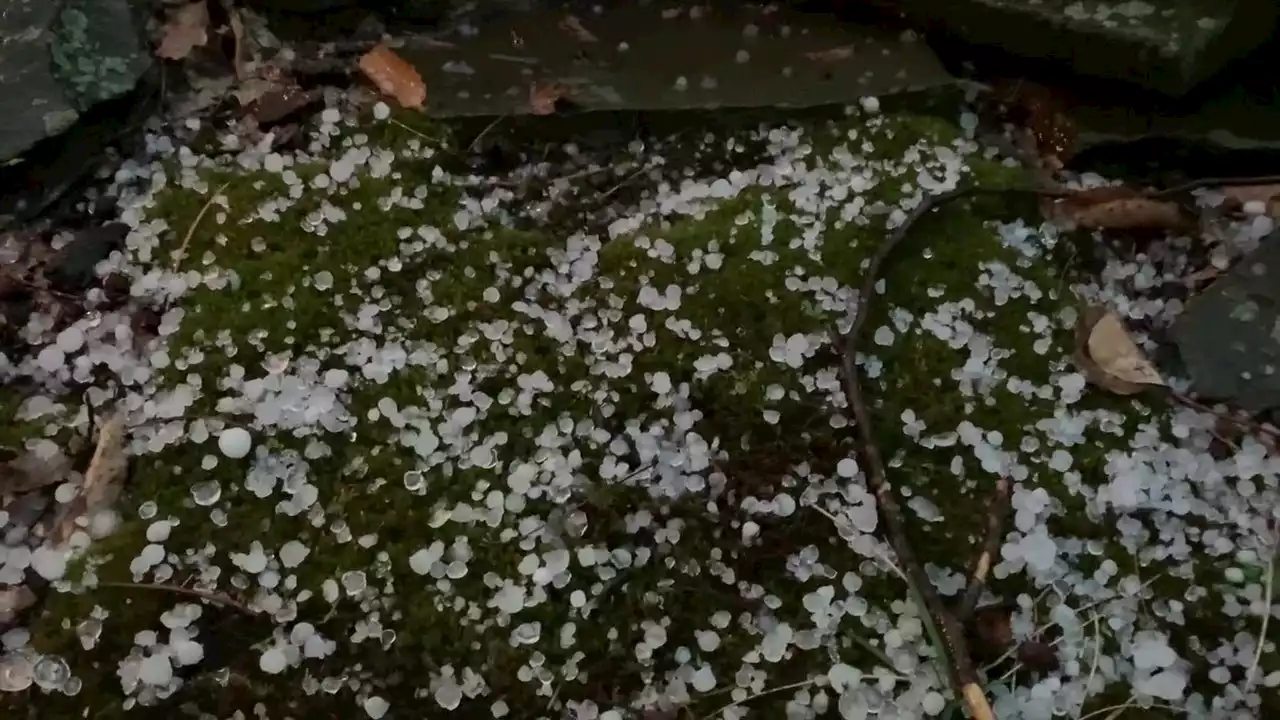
x: 582, y: 476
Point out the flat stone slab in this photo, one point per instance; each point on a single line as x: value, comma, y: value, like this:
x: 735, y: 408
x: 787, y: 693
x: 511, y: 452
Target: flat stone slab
x: 1166, y: 45
x: 1229, y: 336
x: 60, y: 57
x: 647, y: 56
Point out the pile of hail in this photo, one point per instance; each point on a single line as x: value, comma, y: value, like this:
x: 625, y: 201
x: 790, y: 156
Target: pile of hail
x: 397, y: 450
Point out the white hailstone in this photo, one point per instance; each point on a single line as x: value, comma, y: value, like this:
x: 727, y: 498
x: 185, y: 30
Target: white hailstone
x: 448, y: 695
x: 336, y: 378
x: 708, y: 640
x: 70, y: 340
x: 848, y: 467
x: 273, y: 661
x: 51, y: 358
x: 1151, y: 651
x: 49, y: 563
x: 933, y: 703
x: 375, y: 706
x: 188, y: 652
x: 381, y: 111
x: 235, y: 442
x: 156, y: 670
x: 293, y: 553
x: 870, y: 103
x: 884, y: 336
x: 703, y: 680
x: 844, y: 678
x: 660, y: 383
x: 1166, y: 685
x: 158, y: 532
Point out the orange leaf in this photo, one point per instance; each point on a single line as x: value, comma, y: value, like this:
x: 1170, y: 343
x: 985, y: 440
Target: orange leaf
x: 543, y: 97
x: 185, y: 29
x: 394, y: 77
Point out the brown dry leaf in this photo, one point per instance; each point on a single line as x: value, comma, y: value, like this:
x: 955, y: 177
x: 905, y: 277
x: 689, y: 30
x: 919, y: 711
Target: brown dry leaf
x: 394, y: 76
x: 1118, y: 208
x: 102, y: 479
x: 1268, y: 196
x: 843, y: 52
x: 186, y: 29
x: 572, y: 25
x: 543, y: 97
x: 1108, y: 356
x: 240, y: 54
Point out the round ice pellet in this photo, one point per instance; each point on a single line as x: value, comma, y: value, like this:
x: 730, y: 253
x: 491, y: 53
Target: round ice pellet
x: 235, y: 442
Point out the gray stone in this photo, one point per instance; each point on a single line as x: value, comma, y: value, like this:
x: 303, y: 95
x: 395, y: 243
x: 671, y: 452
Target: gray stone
x: 651, y: 56
x: 1166, y: 45
x: 60, y: 57
x: 1229, y: 335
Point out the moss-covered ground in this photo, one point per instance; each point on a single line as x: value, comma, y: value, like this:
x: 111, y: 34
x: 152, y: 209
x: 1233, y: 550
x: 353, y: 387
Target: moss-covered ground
x: 628, y: 506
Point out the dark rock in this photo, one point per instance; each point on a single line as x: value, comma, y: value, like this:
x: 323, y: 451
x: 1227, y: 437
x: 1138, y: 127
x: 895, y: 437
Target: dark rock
x: 73, y: 268
x: 58, y: 58
x: 1169, y: 46
x: 1229, y: 335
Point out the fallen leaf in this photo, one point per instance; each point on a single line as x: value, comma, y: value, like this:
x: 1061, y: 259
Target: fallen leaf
x: 239, y: 55
x: 1266, y: 198
x: 573, y: 25
x: 543, y: 97
x: 1118, y: 208
x: 102, y: 479
x: 1108, y: 356
x: 185, y: 29
x: 843, y: 52
x: 394, y: 77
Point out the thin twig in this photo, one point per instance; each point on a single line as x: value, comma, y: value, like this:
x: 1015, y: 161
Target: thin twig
x: 1268, y: 596
x: 476, y: 141
x: 996, y: 510
x: 1247, y: 424
x: 215, y: 598
x: 762, y: 693
x: 964, y: 677
x: 1200, y: 183
x: 191, y: 229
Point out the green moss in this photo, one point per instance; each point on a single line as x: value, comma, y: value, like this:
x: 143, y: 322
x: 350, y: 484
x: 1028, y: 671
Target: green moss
x: 274, y: 309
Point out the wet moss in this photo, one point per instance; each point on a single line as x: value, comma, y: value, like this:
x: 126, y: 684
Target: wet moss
x: 274, y: 311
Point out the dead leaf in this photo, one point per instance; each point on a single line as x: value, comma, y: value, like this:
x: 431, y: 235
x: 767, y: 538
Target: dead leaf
x: 185, y: 29
x: 1108, y: 356
x: 1266, y: 197
x: 572, y: 25
x: 543, y: 97
x: 239, y: 56
x: 1118, y: 208
x: 102, y: 479
x: 843, y: 52
x: 394, y: 76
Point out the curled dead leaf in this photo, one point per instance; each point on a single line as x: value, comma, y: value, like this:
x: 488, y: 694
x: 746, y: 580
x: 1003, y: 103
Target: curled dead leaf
x: 394, y: 76
x: 843, y: 52
x: 1118, y: 208
x: 543, y: 97
x: 1109, y: 358
x: 186, y: 28
x: 572, y: 25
